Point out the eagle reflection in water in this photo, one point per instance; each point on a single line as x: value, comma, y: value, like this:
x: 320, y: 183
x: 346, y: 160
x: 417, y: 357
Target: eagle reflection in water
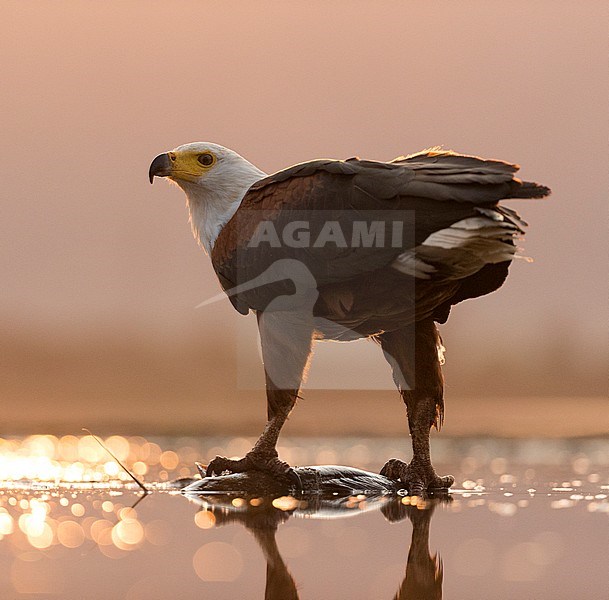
x: 423, y: 574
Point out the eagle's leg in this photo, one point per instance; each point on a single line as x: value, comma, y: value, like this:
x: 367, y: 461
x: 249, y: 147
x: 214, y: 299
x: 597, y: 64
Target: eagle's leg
x: 263, y: 456
x: 414, y: 356
x: 286, y: 347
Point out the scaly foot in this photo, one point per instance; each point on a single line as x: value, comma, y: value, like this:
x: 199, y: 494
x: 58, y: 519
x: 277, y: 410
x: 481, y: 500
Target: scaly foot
x: 255, y: 461
x: 417, y: 476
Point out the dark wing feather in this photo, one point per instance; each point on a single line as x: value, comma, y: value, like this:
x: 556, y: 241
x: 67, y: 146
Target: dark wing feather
x: 430, y: 190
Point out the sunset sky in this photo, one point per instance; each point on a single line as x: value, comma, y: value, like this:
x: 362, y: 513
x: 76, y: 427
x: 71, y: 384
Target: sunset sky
x: 91, y: 92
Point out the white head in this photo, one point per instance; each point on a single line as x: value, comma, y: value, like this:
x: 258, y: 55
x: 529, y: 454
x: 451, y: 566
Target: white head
x: 214, y: 178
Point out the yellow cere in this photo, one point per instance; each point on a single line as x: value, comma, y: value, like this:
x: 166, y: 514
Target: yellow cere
x: 189, y: 165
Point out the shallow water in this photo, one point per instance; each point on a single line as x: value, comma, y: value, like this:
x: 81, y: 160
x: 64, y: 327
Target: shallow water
x: 528, y: 519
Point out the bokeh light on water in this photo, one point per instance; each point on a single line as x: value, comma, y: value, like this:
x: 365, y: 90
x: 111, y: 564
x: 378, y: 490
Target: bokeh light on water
x: 67, y: 506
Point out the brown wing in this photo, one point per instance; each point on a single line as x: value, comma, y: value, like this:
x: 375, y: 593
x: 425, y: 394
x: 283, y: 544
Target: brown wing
x: 425, y: 192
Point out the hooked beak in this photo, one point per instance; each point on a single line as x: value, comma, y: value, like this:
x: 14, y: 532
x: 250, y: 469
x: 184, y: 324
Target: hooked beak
x: 160, y: 167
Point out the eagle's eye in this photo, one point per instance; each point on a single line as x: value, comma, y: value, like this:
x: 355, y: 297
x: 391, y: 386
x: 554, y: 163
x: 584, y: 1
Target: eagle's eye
x: 206, y: 159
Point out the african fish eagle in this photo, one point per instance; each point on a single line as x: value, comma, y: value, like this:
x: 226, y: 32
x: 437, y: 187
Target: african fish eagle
x: 347, y: 249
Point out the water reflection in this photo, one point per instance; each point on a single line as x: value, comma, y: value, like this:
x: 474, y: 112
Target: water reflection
x: 49, y: 521
x: 424, y: 571
x: 263, y: 516
x: 527, y: 514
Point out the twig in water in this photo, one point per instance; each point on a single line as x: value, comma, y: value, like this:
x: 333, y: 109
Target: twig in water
x: 142, y: 486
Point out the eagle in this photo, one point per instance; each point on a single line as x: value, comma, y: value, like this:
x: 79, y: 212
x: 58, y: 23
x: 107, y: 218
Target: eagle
x: 339, y: 250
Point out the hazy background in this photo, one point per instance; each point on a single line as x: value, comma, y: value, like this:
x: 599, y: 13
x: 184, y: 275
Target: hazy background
x: 100, y: 274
